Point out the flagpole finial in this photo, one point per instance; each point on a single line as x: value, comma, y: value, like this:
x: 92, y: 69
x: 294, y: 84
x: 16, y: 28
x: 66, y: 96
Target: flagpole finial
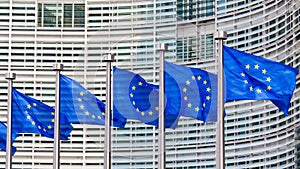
x: 161, y: 47
x: 58, y: 66
x: 110, y: 57
x: 10, y: 76
x: 220, y: 35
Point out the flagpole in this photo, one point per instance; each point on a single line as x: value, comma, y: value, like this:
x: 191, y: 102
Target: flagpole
x: 161, y: 123
x: 56, y: 153
x: 10, y: 77
x: 107, y: 141
x: 220, y: 143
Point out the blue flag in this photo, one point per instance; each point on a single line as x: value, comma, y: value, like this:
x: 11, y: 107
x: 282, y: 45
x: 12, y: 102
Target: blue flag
x: 3, y: 138
x: 136, y: 99
x: 197, y: 89
x: 32, y: 116
x: 82, y: 107
x: 250, y: 77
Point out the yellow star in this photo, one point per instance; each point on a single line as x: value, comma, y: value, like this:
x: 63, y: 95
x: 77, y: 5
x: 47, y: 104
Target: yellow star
x: 133, y: 102
x: 269, y: 87
x: 93, y: 116
x: 268, y: 79
x: 131, y: 95
x: 87, y: 113
x: 140, y: 83
x: 204, y: 82
x: 264, y: 71
x: 137, y: 109
x: 156, y: 108
x: 258, y: 91
x: 99, y: 117
x: 81, y: 93
x: 79, y: 99
x: 204, y: 105
x: 39, y: 127
x: 28, y: 106
x: 199, y: 77
x: 193, y: 78
x: 197, y: 109
x: 33, y: 123
x: 34, y: 104
x: 103, y: 113
x: 208, y: 89
x: 243, y: 74
x: 246, y: 81
x: 81, y: 107
x: 52, y: 113
x: 52, y: 120
x: 28, y: 117
x: 248, y: 66
x: 133, y: 87
x: 207, y: 97
x: 251, y: 88
x: 188, y: 82
x: 143, y: 113
x: 184, y: 90
x: 185, y: 98
x: 256, y: 66
x: 49, y: 127
x: 189, y: 105
x: 150, y: 113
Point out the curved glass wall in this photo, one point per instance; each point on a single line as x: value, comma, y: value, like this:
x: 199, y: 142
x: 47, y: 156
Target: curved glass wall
x: 37, y: 33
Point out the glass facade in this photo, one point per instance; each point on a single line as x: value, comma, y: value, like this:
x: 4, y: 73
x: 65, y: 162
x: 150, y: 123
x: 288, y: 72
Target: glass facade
x: 35, y: 34
x: 61, y: 15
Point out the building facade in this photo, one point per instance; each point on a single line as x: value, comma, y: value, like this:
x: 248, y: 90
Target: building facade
x: 35, y: 34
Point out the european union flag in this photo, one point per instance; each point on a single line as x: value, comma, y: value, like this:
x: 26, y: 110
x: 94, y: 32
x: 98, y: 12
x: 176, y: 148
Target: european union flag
x: 3, y: 138
x: 198, y: 91
x: 32, y: 116
x: 82, y: 107
x: 250, y: 77
x: 136, y: 99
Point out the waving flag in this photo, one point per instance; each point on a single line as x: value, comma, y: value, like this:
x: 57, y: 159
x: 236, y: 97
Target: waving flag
x: 3, y: 138
x: 136, y: 99
x: 82, y: 107
x: 250, y: 77
x: 198, y: 91
x: 32, y: 116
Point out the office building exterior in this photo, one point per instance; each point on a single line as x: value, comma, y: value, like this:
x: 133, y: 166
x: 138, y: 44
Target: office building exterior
x: 35, y: 34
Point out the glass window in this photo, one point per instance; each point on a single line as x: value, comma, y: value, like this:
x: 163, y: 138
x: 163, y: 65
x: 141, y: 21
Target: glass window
x: 68, y: 10
x: 51, y: 15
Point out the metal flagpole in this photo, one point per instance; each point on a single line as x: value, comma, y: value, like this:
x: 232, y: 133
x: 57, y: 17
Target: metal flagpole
x: 107, y: 141
x: 161, y: 123
x: 56, y: 153
x: 10, y: 77
x: 220, y: 143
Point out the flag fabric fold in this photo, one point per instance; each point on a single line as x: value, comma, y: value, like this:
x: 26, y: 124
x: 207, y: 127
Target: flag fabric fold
x: 3, y: 130
x: 136, y: 99
x: 250, y: 77
x: 197, y: 90
x: 82, y: 107
x: 32, y: 116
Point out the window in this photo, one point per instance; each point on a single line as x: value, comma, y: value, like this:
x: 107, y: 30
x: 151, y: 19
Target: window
x: 56, y: 15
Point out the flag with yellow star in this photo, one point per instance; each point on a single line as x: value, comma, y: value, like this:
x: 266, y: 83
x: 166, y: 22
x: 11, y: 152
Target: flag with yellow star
x: 136, y: 99
x: 198, y: 91
x: 32, y: 116
x: 250, y: 77
x: 82, y: 107
x: 3, y: 138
